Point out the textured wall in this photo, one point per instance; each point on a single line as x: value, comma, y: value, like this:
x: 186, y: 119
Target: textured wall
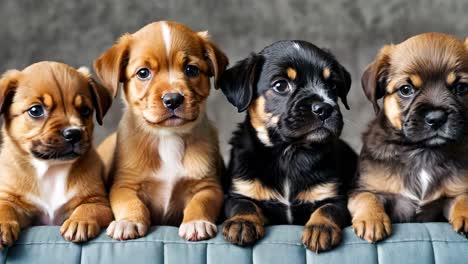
x: 76, y: 32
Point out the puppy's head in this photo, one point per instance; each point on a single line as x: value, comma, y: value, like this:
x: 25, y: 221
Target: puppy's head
x: 48, y: 108
x: 290, y: 89
x: 165, y: 69
x: 424, y: 85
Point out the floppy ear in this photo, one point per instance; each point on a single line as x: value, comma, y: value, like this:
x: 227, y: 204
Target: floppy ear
x: 110, y: 65
x: 375, y: 76
x: 100, y: 95
x: 466, y: 43
x: 8, y: 84
x: 217, y: 60
x: 239, y: 82
x: 344, y: 86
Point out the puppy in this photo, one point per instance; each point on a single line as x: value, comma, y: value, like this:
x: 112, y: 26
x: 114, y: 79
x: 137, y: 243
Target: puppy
x: 164, y: 159
x: 51, y: 175
x: 288, y: 165
x: 413, y: 166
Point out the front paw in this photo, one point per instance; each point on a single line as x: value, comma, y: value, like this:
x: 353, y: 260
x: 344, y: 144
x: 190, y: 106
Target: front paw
x: 197, y: 230
x: 9, y: 233
x: 242, y: 232
x: 373, y: 228
x: 321, y: 237
x: 460, y: 225
x: 124, y: 230
x: 79, y: 230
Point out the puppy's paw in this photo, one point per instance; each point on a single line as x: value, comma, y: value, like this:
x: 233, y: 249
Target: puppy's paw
x: 373, y: 228
x: 321, y: 237
x: 124, y: 230
x: 197, y: 230
x: 242, y: 232
x: 460, y: 225
x: 9, y: 233
x: 79, y: 230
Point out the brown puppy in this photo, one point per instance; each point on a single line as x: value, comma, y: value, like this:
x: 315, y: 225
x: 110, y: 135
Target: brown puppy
x: 50, y: 172
x: 164, y: 159
x: 413, y: 165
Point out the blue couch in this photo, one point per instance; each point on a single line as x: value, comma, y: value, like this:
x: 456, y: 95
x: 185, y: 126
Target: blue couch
x: 410, y: 243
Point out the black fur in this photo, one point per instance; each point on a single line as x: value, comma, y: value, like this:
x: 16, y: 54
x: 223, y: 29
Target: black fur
x: 302, y: 149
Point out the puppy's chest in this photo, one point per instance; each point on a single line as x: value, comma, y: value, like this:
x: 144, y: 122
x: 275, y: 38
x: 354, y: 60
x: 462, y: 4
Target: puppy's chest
x: 423, y: 187
x: 52, y: 192
x: 171, y: 150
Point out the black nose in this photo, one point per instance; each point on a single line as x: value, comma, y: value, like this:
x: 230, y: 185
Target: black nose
x: 71, y: 135
x: 172, y: 100
x: 436, y: 118
x: 322, y: 110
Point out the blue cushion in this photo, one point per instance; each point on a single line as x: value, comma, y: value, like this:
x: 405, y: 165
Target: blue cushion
x: 409, y: 243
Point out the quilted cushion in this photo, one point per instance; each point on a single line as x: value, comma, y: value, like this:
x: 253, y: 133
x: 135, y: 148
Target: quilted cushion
x: 410, y: 243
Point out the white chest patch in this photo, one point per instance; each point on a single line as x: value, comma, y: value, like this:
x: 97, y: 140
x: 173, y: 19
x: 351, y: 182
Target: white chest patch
x: 171, y: 149
x: 287, y: 199
x: 424, y: 179
x: 52, y: 190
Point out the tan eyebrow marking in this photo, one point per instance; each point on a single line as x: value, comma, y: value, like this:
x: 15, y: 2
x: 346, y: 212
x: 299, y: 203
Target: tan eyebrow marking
x: 292, y: 73
x: 451, y: 78
x: 416, y: 80
x: 78, y: 101
x: 47, y: 100
x: 326, y: 73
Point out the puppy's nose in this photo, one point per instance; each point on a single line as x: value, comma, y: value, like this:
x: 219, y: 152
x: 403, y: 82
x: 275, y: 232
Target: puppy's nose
x: 436, y: 118
x: 172, y: 100
x: 71, y: 134
x: 322, y: 110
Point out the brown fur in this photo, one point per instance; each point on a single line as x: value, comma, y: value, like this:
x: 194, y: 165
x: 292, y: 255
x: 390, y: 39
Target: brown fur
x: 61, y: 90
x: 138, y: 194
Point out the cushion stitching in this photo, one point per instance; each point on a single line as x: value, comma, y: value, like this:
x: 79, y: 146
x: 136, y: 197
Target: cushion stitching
x: 432, y: 245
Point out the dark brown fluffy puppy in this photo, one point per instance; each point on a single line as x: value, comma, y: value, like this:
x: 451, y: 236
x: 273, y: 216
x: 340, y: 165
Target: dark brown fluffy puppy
x: 413, y: 165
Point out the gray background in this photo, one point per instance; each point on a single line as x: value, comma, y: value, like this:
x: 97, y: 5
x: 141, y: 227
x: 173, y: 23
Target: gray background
x: 76, y: 32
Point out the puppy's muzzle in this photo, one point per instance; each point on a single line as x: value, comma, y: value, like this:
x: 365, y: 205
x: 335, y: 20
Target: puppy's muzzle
x: 172, y: 100
x: 436, y: 118
x: 322, y: 110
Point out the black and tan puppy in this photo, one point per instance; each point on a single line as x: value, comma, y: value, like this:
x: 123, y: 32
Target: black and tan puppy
x: 414, y: 163
x: 288, y: 165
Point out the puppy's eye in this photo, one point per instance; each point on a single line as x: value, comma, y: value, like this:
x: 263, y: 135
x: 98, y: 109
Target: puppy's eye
x: 280, y: 86
x: 460, y: 89
x: 143, y: 74
x: 36, y: 111
x: 406, y: 90
x: 192, y: 71
x: 85, y: 111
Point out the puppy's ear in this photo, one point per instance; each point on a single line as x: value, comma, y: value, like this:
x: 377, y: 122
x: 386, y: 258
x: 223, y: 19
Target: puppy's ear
x: 217, y: 60
x: 8, y: 84
x: 100, y: 95
x: 344, y: 86
x: 375, y: 76
x: 466, y: 43
x: 240, y: 81
x: 110, y: 65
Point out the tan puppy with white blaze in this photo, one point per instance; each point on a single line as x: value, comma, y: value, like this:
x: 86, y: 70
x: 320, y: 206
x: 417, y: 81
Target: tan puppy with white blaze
x: 164, y: 159
x: 50, y: 173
